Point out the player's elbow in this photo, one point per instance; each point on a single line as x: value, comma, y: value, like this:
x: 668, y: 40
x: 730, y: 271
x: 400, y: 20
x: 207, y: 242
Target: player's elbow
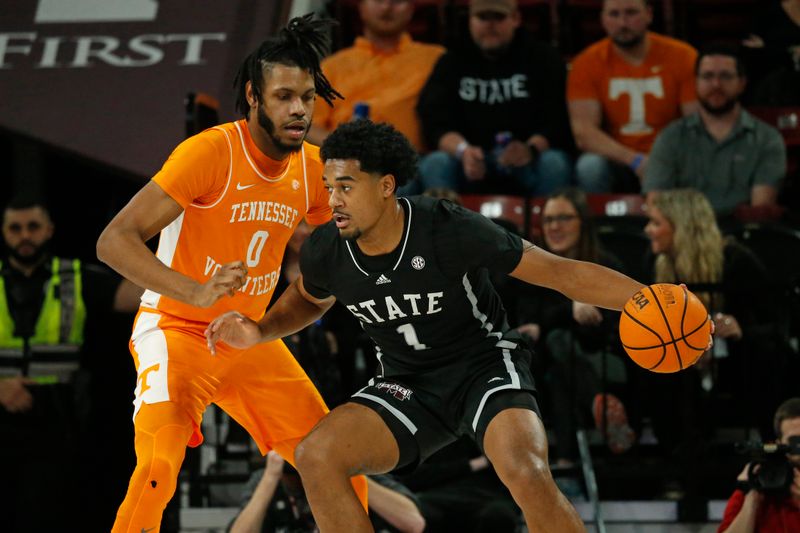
x: 105, y: 244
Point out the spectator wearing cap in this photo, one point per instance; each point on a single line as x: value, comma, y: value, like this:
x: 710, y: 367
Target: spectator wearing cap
x: 501, y: 86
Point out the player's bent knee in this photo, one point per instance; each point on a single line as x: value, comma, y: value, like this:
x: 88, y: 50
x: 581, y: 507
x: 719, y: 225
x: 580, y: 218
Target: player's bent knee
x: 313, y: 454
x: 531, y: 471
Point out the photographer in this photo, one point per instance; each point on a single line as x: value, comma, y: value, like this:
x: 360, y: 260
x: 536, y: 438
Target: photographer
x: 766, y: 511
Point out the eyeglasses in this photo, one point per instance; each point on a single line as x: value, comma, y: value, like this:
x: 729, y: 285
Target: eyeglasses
x: 546, y: 221
x: 721, y: 76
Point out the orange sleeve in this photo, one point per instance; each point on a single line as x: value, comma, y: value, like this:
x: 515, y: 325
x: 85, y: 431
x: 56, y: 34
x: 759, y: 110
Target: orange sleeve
x: 582, y: 76
x: 197, y: 170
x: 319, y: 212
x: 687, y: 80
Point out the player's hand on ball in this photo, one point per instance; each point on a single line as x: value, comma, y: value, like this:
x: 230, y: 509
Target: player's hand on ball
x: 585, y: 314
x: 234, y: 329
x: 225, y: 282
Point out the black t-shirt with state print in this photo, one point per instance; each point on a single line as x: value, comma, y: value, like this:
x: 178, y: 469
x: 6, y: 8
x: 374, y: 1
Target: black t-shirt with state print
x: 429, y: 303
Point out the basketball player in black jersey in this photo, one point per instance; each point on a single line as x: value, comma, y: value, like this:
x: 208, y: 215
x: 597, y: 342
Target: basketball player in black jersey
x: 414, y: 272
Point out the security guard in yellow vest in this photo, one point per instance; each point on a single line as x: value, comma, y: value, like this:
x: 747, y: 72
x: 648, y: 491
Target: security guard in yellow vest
x: 45, y: 305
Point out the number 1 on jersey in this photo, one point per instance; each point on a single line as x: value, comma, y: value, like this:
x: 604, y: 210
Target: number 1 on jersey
x: 410, y: 335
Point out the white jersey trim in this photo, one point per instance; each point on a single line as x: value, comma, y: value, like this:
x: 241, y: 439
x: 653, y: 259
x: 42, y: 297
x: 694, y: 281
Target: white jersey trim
x: 150, y: 345
x: 514, y: 385
x: 252, y: 163
x: 389, y: 407
x: 402, y: 251
x: 230, y: 173
x: 167, y: 245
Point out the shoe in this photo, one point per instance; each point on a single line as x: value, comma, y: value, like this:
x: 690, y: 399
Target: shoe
x: 620, y: 437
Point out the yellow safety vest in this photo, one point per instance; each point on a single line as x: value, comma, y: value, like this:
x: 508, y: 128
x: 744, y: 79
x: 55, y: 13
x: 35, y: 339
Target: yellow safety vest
x: 54, y: 348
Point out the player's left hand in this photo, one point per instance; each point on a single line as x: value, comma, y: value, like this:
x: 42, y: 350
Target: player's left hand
x: 234, y: 329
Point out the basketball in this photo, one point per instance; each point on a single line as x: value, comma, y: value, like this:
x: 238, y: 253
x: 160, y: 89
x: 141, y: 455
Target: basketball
x: 664, y: 328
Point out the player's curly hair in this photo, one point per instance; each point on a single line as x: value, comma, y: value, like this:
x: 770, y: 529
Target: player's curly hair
x: 379, y: 148
x: 302, y: 43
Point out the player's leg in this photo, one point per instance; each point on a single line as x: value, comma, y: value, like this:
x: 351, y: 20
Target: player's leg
x: 270, y: 395
x: 352, y: 439
x: 162, y: 432
x: 174, y: 384
x: 516, y: 444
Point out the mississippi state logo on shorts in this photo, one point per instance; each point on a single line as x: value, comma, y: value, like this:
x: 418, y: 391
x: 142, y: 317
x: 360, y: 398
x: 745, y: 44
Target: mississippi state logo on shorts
x: 401, y: 393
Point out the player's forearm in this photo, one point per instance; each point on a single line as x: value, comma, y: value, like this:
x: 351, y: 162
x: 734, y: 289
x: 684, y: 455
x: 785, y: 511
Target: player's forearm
x: 581, y: 281
x: 590, y: 138
x: 291, y: 313
x: 598, y: 285
x: 126, y: 252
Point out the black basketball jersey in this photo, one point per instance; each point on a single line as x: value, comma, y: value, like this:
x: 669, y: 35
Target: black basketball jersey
x: 430, y: 303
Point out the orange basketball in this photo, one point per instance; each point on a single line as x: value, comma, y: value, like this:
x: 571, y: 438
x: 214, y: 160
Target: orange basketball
x: 664, y: 328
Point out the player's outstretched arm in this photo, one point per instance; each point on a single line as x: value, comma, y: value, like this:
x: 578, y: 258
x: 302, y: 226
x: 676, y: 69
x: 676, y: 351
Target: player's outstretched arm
x: 293, y: 311
x: 122, y: 247
x: 578, y: 280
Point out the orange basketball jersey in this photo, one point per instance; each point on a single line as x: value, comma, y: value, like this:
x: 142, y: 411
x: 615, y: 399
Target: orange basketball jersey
x: 238, y: 205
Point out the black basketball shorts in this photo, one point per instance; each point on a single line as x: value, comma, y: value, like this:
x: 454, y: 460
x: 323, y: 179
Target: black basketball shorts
x: 427, y: 411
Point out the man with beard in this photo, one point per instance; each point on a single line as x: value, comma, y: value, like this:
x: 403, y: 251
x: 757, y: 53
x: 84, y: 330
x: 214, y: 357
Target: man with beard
x: 721, y: 150
x: 622, y: 91
x: 384, y: 70
x: 495, y: 110
x: 226, y: 203
x: 51, y: 310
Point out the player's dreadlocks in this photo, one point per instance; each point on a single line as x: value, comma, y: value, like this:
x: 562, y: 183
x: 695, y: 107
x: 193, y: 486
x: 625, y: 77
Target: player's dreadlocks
x: 378, y: 147
x: 302, y: 43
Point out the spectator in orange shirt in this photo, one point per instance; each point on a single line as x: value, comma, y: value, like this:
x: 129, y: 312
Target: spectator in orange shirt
x: 385, y: 69
x: 622, y: 91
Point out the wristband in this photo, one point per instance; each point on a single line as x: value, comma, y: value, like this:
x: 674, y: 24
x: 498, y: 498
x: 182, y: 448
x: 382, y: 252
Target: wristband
x: 637, y: 162
x: 743, y: 486
x: 460, y: 149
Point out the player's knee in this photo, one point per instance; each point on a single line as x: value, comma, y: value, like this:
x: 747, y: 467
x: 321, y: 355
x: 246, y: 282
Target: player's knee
x: 158, y: 476
x: 527, y: 472
x: 316, y: 453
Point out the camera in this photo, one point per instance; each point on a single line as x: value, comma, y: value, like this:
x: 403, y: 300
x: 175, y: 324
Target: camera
x: 770, y: 472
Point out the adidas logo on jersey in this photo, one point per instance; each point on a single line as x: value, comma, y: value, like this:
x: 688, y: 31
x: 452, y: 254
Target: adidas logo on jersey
x: 382, y: 279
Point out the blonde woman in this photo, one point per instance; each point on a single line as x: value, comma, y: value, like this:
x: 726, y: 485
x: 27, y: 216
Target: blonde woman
x: 689, y: 248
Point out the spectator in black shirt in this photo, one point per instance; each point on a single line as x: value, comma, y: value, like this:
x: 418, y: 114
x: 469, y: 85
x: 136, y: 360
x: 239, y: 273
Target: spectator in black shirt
x: 495, y: 110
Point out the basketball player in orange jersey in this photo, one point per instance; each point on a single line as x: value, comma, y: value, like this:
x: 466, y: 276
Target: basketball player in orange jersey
x: 226, y: 202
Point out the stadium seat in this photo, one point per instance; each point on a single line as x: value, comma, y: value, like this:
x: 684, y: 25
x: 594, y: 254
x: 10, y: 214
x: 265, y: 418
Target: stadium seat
x: 787, y: 121
x: 704, y: 21
x: 511, y: 208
